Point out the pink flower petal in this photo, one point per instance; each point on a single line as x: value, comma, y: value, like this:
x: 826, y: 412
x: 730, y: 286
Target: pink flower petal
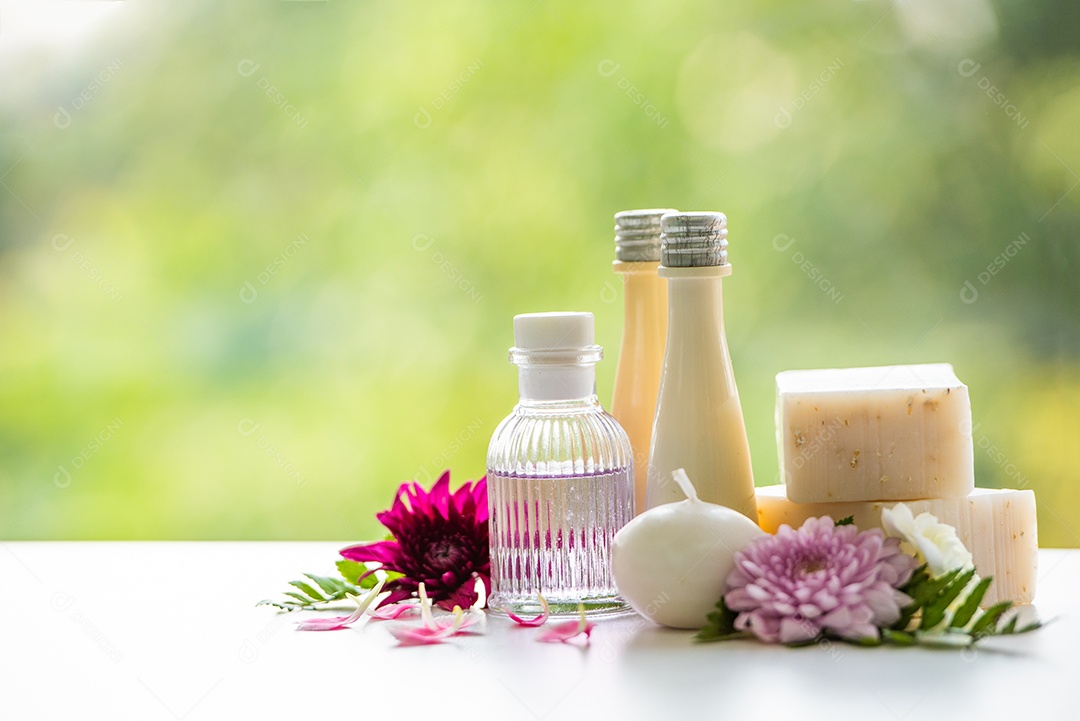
x: 433, y: 630
x: 421, y: 635
x: 467, y: 620
x: 464, y: 597
x: 766, y: 628
x: 439, y: 496
x: 379, y: 551
x: 329, y: 623
x: 389, y: 612
x: 563, y: 632
x: 795, y: 631
x: 397, y: 594
x: 536, y: 620
x: 335, y: 623
x: 481, y: 588
x: 456, y: 623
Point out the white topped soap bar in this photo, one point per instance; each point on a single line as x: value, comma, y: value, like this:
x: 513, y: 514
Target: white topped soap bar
x: 891, y: 433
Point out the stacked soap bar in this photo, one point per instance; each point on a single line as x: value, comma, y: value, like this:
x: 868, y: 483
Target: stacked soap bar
x: 997, y: 526
x: 855, y: 440
x: 874, y: 434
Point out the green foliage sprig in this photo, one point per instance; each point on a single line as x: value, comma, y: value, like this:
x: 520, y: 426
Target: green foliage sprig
x: 326, y: 589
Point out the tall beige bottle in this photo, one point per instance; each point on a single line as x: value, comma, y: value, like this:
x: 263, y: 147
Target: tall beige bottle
x: 699, y: 422
x: 641, y: 355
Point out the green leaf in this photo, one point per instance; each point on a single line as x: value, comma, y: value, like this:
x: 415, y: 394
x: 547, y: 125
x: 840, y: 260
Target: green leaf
x: 706, y: 635
x: 898, y: 638
x: 281, y: 606
x: 330, y: 589
x: 944, y: 638
x: 351, y: 571
x: 720, y: 625
x: 1009, y: 629
x: 926, y: 590
x: 845, y: 521
x: 304, y: 601
x: 308, y: 589
x: 938, y: 605
x: 332, y: 586
x: 1026, y: 628
x: 810, y: 642
x: 987, y: 623
x: 967, y: 610
x: 918, y: 577
x: 921, y: 588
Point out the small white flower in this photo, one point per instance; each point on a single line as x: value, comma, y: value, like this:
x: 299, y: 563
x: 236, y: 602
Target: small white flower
x: 933, y: 542
x: 936, y: 544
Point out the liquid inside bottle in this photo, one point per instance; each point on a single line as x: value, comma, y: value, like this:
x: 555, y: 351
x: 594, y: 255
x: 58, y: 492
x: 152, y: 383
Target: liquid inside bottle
x: 560, y: 477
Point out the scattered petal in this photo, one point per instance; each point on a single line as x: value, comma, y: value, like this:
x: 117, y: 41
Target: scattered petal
x: 563, y: 632
x: 537, y: 620
x: 334, y: 623
x: 434, y: 630
x: 468, y: 619
x: 389, y: 612
x: 438, y: 631
x: 481, y: 594
x: 420, y: 635
x: 330, y: 623
x: 425, y: 608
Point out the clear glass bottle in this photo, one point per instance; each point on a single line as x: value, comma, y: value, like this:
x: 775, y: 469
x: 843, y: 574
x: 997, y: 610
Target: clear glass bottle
x: 699, y: 422
x: 560, y: 476
x: 641, y: 354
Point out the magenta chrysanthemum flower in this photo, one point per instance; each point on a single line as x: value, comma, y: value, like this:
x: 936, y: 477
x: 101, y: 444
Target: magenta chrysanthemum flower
x: 439, y: 539
x: 822, y: 578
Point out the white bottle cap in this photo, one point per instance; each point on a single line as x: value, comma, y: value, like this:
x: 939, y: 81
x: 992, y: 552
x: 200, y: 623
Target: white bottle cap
x: 556, y: 353
x: 554, y: 337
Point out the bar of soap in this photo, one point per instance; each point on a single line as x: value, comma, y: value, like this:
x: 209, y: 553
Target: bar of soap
x: 998, y: 526
x: 893, y: 433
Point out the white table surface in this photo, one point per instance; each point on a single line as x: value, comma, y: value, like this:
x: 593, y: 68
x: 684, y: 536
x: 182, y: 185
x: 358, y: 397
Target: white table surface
x: 169, y: 631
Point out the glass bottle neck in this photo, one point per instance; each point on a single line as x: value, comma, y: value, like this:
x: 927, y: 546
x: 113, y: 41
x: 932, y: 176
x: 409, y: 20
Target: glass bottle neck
x: 571, y: 405
x: 557, y: 384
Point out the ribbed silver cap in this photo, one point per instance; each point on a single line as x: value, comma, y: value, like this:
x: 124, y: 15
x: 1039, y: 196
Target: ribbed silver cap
x: 637, y: 234
x: 693, y: 240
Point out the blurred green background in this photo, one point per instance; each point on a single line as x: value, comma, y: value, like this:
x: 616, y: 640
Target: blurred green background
x: 258, y: 261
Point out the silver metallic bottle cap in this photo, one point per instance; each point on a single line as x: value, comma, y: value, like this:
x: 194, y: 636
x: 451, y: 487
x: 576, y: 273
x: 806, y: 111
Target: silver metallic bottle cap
x: 693, y: 240
x: 637, y: 235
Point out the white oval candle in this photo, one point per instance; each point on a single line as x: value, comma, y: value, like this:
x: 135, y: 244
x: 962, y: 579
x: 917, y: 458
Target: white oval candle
x: 670, y: 562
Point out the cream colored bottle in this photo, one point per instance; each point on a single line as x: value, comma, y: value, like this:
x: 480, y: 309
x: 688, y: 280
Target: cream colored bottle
x: 641, y: 355
x: 699, y: 423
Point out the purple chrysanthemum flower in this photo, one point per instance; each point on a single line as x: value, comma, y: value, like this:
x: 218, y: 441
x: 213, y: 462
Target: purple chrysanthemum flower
x: 439, y: 538
x: 822, y: 578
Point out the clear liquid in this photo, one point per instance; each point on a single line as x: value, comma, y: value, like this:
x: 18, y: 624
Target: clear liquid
x: 552, y: 534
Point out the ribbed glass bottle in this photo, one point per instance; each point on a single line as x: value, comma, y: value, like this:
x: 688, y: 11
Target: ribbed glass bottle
x: 560, y: 476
